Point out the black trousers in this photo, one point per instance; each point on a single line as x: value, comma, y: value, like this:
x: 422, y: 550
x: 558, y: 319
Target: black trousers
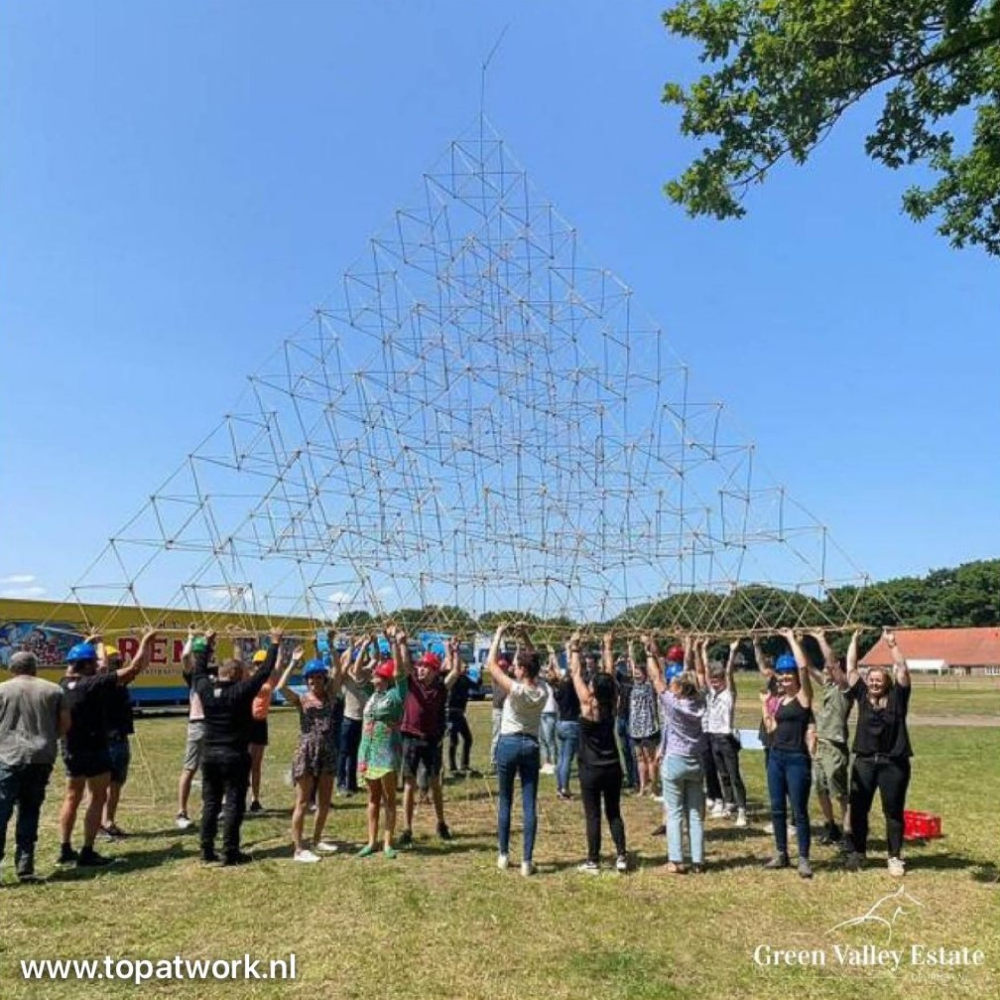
x: 597, y: 783
x: 890, y: 776
x: 726, y: 753
x: 458, y: 728
x: 713, y: 790
x: 347, y: 761
x: 227, y: 779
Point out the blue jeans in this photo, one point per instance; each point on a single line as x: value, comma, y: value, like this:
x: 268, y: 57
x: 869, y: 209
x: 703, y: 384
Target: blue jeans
x: 24, y: 787
x: 548, y: 737
x: 569, y: 742
x: 789, y: 773
x: 349, y: 739
x: 517, y: 754
x: 628, y: 752
x: 684, y: 794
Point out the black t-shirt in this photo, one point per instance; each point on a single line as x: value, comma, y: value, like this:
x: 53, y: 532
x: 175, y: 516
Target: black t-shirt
x: 598, y: 749
x: 88, y: 699
x: 567, y: 701
x: 882, y: 730
x: 458, y: 697
x: 120, y: 717
x: 793, y: 720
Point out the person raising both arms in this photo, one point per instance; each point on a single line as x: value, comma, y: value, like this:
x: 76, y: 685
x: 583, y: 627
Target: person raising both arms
x: 600, y: 765
x: 793, y: 743
x: 85, y: 746
x: 423, y: 729
x: 225, y: 767
x: 258, y: 730
x: 882, y: 751
x: 830, y: 766
x: 314, y: 764
x: 643, y: 723
x: 680, y: 755
x: 719, y: 685
x: 380, y: 754
x: 194, y: 744
x: 518, y: 753
x: 120, y: 723
x: 458, y: 724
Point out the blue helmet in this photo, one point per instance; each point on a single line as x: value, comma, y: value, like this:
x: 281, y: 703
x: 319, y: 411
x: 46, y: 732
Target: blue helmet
x: 673, y: 671
x: 785, y: 664
x: 81, y: 652
x: 314, y: 667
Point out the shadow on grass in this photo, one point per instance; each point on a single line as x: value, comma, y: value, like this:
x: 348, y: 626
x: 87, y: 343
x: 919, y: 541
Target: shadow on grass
x: 125, y: 864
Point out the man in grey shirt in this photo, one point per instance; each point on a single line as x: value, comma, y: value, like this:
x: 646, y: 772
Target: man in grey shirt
x: 34, y: 714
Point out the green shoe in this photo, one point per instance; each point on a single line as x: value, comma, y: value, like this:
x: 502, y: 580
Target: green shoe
x: 367, y: 851
x: 390, y: 852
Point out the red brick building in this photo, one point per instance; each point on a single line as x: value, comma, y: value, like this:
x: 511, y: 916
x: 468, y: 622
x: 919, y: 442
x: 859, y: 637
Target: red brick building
x: 963, y: 651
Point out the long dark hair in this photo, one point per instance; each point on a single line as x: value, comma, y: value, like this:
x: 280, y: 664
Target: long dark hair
x: 605, y: 690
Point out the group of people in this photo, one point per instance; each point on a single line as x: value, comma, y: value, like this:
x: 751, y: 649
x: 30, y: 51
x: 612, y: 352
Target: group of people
x: 378, y: 713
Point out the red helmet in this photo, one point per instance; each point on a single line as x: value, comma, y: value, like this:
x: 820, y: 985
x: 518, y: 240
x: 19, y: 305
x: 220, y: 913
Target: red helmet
x: 675, y: 654
x: 431, y: 660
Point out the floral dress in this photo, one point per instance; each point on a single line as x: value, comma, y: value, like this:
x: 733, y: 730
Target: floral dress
x: 381, y: 750
x: 316, y: 753
x: 642, y: 721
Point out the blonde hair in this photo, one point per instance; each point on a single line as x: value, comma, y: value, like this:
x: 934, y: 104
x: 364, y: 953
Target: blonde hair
x: 687, y: 682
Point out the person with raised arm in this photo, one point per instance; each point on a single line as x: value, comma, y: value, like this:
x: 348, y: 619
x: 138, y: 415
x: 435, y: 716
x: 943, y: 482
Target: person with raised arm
x: 458, y: 704
x: 259, y: 735
x: 423, y: 729
x: 517, y: 748
x: 568, y: 725
x: 680, y: 756
x: 696, y: 660
x: 225, y: 769
x: 793, y: 744
x: 194, y: 744
x: 120, y: 722
x: 643, y: 723
x: 86, y: 752
x: 623, y: 678
x: 314, y: 764
x: 830, y: 766
x: 882, y: 751
x: 380, y: 754
x: 719, y: 685
x: 600, y: 765
x: 357, y: 687
x: 550, y: 717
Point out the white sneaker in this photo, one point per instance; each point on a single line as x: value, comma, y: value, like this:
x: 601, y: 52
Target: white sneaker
x: 528, y: 868
x: 718, y: 811
x: 503, y: 862
x: 657, y: 798
x: 184, y: 822
x: 709, y: 804
x: 548, y: 769
x: 325, y: 847
x: 741, y: 817
x: 897, y: 866
x: 589, y: 868
x: 306, y: 856
x: 621, y: 864
x: 768, y: 828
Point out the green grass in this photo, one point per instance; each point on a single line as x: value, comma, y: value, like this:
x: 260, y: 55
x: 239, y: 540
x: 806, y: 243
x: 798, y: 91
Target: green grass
x: 442, y: 922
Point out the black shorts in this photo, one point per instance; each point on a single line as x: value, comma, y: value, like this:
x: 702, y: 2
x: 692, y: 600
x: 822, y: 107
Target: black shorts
x: 258, y: 733
x: 87, y: 763
x: 417, y: 750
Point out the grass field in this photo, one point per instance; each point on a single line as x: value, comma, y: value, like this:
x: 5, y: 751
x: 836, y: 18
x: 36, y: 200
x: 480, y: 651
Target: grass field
x: 442, y: 922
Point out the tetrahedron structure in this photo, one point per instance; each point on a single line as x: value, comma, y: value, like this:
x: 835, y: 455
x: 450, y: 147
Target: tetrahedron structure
x: 480, y: 420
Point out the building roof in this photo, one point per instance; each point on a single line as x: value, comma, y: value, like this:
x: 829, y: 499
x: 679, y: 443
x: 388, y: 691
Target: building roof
x: 958, y: 647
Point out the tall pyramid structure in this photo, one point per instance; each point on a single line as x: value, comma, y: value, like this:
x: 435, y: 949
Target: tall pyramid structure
x: 481, y: 420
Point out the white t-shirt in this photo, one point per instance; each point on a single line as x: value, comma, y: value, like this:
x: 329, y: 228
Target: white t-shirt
x: 522, y: 711
x: 550, y: 703
x: 719, y: 717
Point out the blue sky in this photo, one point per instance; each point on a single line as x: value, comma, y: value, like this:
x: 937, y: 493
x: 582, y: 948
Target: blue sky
x: 181, y: 183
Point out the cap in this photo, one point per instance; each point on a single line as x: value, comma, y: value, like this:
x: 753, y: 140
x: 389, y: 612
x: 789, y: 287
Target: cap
x: 81, y: 652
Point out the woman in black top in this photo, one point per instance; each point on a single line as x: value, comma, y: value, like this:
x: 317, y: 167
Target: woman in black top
x: 881, y: 752
x: 789, y: 723
x: 600, y: 765
x: 567, y: 728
